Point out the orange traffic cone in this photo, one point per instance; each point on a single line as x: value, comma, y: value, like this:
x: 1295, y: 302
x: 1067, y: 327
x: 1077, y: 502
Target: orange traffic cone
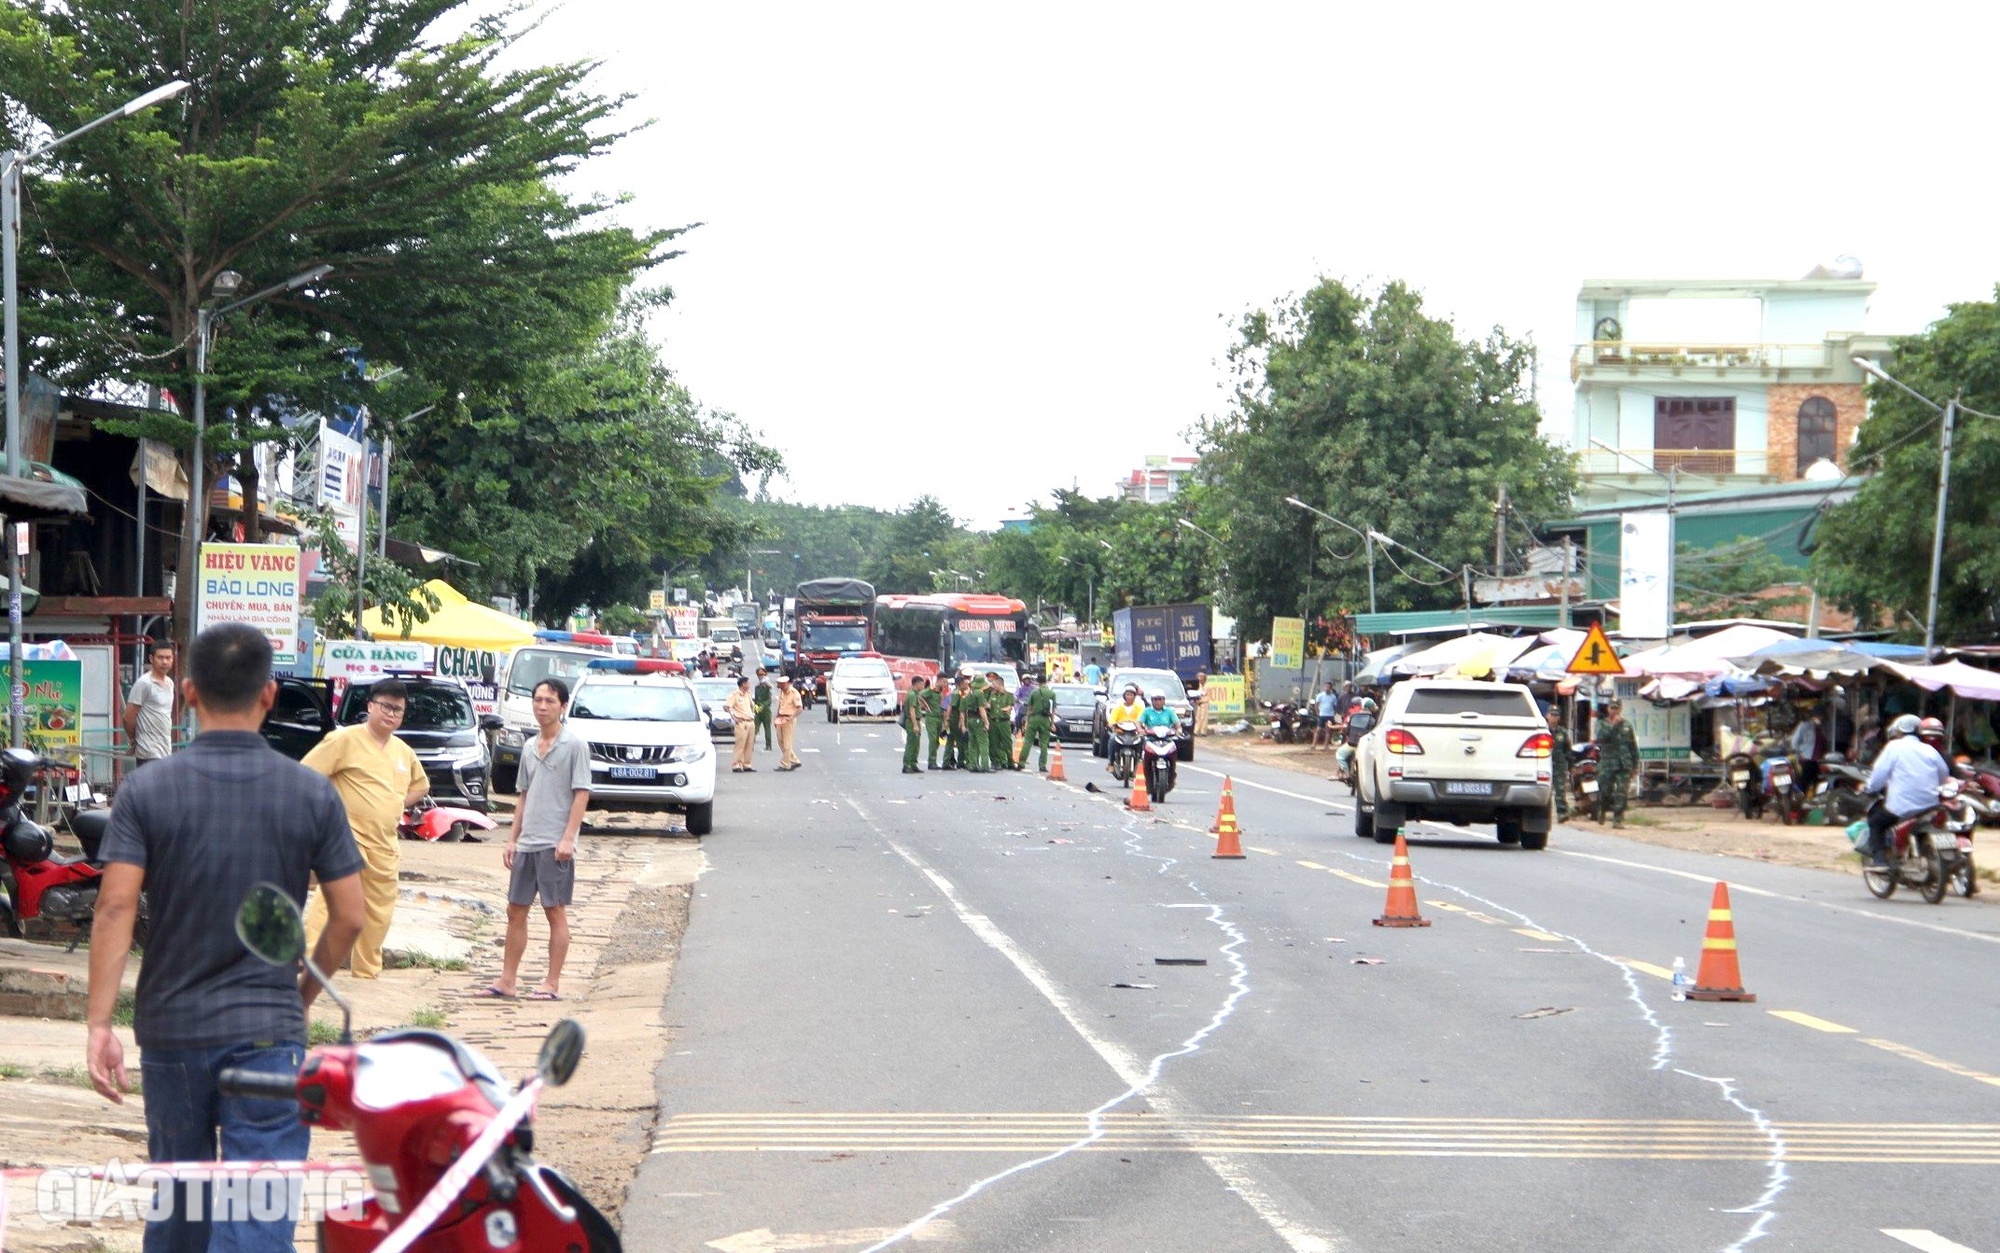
x: 1019, y: 740
x: 1227, y: 846
x: 1718, y: 979
x: 1139, y: 800
x: 1056, y: 767
x: 1401, y: 908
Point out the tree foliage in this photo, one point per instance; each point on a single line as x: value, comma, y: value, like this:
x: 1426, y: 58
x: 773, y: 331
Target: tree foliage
x: 1369, y: 409
x: 1872, y: 554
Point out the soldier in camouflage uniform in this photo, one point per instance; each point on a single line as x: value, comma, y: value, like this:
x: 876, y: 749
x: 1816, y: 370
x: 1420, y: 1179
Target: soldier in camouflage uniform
x: 1559, y: 759
x: 1617, y: 760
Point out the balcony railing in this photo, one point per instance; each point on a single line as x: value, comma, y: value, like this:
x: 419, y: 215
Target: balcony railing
x: 1614, y: 354
x: 1698, y: 462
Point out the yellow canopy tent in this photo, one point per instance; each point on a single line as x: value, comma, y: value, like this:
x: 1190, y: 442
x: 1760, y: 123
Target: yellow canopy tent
x: 456, y: 623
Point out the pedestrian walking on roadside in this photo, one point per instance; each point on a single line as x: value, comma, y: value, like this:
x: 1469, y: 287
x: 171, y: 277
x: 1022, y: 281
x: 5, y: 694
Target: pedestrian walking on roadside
x: 149, y: 707
x: 1041, y: 715
x: 762, y: 698
x: 999, y: 724
x: 789, y: 706
x: 913, y: 723
x: 224, y: 814
x: 743, y: 710
x: 1326, y: 715
x: 1617, y: 759
x: 1198, y: 698
x: 1559, y: 755
x: 932, y: 705
x: 378, y: 776
x: 540, y: 855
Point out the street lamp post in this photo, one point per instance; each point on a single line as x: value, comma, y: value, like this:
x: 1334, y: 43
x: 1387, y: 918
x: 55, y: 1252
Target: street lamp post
x: 1367, y: 540
x: 11, y: 166
x: 1949, y: 413
x: 749, y: 570
x: 194, y: 522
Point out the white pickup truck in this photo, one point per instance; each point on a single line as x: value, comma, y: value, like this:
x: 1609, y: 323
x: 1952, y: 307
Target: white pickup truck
x: 1459, y: 752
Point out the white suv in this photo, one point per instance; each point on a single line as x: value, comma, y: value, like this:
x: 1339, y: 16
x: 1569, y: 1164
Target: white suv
x: 649, y: 743
x: 1458, y: 752
x: 860, y: 687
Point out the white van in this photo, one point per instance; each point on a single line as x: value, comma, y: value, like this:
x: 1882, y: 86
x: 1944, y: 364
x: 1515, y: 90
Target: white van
x: 523, y: 668
x: 721, y: 630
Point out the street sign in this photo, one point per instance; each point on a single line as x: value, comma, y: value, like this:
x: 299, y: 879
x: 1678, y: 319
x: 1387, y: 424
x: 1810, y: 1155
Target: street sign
x: 656, y: 600
x: 1595, y: 655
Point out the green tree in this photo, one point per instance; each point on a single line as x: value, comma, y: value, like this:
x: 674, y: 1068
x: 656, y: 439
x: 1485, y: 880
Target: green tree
x: 421, y: 169
x: 1739, y: 579
x: 921, y: 538
x: 1380, y: 415
x: 1872, y: 552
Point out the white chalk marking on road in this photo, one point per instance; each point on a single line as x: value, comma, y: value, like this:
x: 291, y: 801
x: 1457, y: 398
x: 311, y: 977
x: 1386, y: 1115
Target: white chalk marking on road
x: 1928, y: 1241
x: 1139, y: 1078
x: 1807, y: 1020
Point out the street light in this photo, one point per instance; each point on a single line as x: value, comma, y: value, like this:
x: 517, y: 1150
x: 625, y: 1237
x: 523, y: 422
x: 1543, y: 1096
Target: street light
x: 1949, y: 412
x: 194, y: 523
x: 1367, y: 540
x: 750, y: 592
x: 1672, y: 475
x: 11, y: 166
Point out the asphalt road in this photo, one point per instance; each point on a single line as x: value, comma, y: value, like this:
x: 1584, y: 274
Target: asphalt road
x: 932, y: 1011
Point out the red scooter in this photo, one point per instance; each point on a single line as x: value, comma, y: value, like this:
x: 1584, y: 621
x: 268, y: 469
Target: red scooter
x: 446, y: 1143
x: 47, y: 893
x: 428, y: 820
x: 1931, y: 850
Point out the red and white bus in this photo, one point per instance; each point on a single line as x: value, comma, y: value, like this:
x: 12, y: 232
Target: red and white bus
x: 945, y: 632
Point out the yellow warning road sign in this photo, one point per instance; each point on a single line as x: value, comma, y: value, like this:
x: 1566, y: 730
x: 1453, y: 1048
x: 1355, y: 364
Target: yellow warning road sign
x: 1595, y: 655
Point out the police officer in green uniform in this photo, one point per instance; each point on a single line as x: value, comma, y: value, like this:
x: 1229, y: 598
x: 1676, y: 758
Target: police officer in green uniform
x: 761, y: 701
x: 913, y: 723
x: 930, y: 702
x: 971, y: 708
x: 1041, y: 713
x: 1559, y: 754
x: 1617, y: 758
x: 999, y: 723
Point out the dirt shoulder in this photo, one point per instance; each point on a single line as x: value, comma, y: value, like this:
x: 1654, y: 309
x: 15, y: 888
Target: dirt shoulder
x: 1698, y: 828
x: 632, y: 893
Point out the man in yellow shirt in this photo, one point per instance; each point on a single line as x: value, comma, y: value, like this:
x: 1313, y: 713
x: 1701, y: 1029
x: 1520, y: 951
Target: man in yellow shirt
x: 378, y: 777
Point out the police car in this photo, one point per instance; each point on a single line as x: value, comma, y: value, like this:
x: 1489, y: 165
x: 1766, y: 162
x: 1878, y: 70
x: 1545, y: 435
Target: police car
x: 648, y: 737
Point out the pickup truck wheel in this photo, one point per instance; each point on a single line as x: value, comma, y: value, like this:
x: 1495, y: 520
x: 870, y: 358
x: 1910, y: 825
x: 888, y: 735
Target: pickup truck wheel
x: 1509, y: 830
x: 701, y: 818
x: 1364, y: 823
x: 1388, y: 820
x: 504, y: 779
x: 832, y: 714
x: 1534, y: 841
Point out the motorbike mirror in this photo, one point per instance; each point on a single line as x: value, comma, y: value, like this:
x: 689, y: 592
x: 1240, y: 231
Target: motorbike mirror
x: 269, y: 925
x: 562, y: 1049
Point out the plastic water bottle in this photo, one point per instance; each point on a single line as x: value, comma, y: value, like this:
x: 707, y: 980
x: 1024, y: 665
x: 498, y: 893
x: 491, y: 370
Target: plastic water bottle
x: 1680, y: 979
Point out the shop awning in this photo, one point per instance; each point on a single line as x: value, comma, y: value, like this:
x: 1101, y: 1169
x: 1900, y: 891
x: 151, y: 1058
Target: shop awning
x: 1799, y: 656
x: 42, y: 493
x: 1468, y: 656
x: 456, y: 623
x: 1968, y: 681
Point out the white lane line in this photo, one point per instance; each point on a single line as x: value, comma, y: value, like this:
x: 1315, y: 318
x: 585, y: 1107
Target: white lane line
x: 1678, y: 874
x: 1262, y: 787
x: 1928, y: 1241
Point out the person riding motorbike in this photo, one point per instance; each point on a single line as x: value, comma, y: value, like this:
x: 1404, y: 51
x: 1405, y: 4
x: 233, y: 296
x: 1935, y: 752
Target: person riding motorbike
x: 1906, y: 775
x: 1157, y: 714
x: 1360, y: 720
x: 1125, y: 714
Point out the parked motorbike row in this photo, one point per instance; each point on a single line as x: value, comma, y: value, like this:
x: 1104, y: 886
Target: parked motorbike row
x: 48, y: 893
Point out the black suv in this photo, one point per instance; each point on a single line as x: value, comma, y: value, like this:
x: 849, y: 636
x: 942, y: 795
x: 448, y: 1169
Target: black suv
x: 440, y: 726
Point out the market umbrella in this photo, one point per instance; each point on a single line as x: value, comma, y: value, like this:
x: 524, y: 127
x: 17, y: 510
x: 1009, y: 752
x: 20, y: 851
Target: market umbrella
x: 1795, y: 656
x: 456, y: 623
x: 1375, y: 666
x: 1968, y: 681
x: 1708, y: 656
x: 1470, y: 656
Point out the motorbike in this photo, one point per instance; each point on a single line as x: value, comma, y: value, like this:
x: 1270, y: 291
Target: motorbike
x: 1583, y: 776
x: 1284, y: 722
x: 1162, y: 771
x: 428, y: 820
x: 1126, y: 743
x: 1758, y: 782
x: 49, y: 893
x: 1930, y: 850
x: 1780, y: 784
x: 1982, y: 788
x: 1841, y: 789
x: 447, y: 1146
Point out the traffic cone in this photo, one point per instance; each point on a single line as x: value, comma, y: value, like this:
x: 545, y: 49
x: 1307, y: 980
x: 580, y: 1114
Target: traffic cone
x: 1718, y: 979
x: 1139, y: 800
x: 1401, y: 908
x: 1227, y: 847
x: 1056, y: 767
x: 1019, y: 740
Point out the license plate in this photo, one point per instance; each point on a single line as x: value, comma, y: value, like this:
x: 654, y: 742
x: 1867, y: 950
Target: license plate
x: 1590, y: 787
x: 1739, y: 777
x: 642, y: 773
x: 1467, y: 787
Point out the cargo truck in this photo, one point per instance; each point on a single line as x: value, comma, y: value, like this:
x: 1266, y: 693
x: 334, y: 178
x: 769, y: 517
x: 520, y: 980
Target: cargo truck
x: 1163, y: 637
x: 830, y: 618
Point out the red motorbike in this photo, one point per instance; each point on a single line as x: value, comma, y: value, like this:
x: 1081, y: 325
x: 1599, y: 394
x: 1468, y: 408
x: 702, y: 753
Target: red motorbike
x: 447, y: 1145
x: 48, y: 894
x: 1931, y: 850
x: 428, y: 820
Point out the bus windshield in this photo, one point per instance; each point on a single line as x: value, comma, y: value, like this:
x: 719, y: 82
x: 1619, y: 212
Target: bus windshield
x: 975, y: 640
x: 831, y: 638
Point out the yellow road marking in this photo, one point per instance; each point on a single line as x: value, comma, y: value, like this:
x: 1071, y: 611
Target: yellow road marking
x: 1447, y: 906
x: 1312, y: 865
x: 1533, y: 934
x: 1918, y: 1055
x: 1647, y: 968
x: 1807, y: 1020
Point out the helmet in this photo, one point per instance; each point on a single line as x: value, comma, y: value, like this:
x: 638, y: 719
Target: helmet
x: 1156, y: 694
x: 1931, y: 729
x: 1368, y: 703
x: 1905, y: 724
x: 1131, y: 689
x: 28, y: 843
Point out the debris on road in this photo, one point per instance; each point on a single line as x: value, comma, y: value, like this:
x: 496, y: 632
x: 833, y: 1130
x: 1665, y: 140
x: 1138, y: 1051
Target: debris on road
x: 1368, y: 961
x: 1147, y: 987
x: 1180, y: 961
x: 1547, y: 1011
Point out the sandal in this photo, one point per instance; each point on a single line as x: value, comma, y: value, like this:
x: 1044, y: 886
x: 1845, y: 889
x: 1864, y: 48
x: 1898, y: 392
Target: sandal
x: 493, y: 992
x: 540, y: 995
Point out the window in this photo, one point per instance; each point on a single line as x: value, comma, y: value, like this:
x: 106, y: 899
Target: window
x: 1499, y: 702
x: 1696, y: 433
x: 1818, y: 426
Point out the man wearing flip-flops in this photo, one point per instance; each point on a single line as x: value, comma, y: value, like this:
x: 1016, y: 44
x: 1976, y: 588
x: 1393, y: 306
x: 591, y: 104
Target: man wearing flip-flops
x: 541, y: 843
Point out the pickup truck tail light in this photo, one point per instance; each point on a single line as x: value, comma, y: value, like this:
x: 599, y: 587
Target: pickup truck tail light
x: 1541, y: 744
x: 1401, y: 742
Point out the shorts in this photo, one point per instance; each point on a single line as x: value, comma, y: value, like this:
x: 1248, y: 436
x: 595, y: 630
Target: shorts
x: 538, y: 873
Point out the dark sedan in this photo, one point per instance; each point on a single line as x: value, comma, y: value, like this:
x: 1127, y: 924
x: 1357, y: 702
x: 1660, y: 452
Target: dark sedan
x: 714, y: 695
x: 1076, y: 705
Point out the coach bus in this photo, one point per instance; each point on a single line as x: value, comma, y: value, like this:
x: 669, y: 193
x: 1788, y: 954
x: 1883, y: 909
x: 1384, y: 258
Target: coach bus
x: 947, y: 632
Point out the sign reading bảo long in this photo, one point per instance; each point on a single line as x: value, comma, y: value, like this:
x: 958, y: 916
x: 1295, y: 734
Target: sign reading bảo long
x: 253, y: 583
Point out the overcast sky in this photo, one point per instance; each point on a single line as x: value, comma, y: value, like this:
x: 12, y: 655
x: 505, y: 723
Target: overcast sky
x: 986, y: 250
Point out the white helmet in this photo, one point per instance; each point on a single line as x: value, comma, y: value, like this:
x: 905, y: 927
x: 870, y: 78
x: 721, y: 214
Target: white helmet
x: 1157, y: 694
x: 1906, y: 724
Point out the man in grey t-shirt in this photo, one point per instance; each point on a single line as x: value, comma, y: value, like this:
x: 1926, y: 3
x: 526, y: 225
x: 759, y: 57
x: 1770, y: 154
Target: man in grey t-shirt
x: 149, y: 707
x: 554, y: 791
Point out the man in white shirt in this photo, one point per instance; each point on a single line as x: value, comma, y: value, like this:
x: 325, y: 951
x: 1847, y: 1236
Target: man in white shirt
x: 149, y: 707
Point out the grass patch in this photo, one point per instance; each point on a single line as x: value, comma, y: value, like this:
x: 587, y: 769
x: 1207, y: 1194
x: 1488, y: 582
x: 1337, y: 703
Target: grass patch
x: 429, y: 961
x: 13, y: 1070
x: 121, y: 1014
x: 319, y: 1032
x: 79, y: 1076
x: 430, y: 1018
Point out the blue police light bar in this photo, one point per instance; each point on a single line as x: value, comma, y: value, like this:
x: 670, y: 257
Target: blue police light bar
x: 636, y: 665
